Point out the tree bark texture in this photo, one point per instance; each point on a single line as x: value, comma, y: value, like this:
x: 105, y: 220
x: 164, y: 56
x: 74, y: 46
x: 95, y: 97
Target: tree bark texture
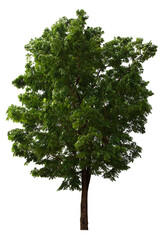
x: 84, y: 199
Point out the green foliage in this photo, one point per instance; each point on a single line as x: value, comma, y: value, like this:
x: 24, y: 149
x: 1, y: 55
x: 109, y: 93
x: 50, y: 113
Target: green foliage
x: 82, y: 99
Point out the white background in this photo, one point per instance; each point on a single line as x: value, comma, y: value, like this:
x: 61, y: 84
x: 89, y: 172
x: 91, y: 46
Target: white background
x: 133, y: 207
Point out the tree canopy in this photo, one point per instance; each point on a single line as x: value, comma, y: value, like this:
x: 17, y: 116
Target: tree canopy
x: 82, y: 99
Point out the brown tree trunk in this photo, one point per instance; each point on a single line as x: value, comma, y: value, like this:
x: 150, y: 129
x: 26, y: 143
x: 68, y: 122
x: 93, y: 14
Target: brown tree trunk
x: 84, y: 199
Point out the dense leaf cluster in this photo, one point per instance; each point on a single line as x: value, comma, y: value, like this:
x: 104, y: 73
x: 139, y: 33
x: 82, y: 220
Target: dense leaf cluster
x: 82, y: 99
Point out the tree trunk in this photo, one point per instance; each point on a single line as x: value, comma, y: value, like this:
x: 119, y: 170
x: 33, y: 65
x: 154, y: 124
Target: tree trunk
x: 84, y: 199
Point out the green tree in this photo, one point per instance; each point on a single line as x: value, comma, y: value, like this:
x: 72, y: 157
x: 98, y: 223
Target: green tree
x: 81, y: 100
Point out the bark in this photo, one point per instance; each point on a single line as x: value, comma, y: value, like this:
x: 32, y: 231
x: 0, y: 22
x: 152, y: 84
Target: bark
x: 84, y: 199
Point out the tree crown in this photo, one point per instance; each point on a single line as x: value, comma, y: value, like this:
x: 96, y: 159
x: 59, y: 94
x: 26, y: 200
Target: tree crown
x: 82, y: 99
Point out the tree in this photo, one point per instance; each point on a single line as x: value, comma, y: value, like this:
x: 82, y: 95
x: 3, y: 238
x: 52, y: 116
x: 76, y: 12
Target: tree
x: 82, y: 99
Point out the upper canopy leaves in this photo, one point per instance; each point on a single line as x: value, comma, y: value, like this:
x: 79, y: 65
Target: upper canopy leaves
x: 82, y: 98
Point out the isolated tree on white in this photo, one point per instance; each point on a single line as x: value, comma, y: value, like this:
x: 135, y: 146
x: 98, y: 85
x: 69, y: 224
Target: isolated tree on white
x: 82, y: 99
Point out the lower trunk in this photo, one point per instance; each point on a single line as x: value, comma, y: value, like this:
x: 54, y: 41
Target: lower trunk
x: 84, y: 199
